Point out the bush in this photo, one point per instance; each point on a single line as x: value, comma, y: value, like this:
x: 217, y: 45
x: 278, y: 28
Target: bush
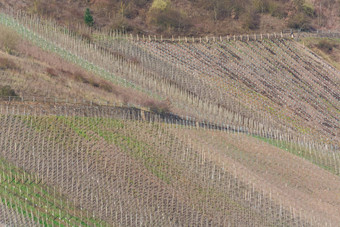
x: 300, y: 21
x: 251, y: 20
x: 261, y: 6
x: 6, y: 63
x: 161, y: 5
x: 165, y: 17
x: 160, y: 107
x: 6, y: 91
x: 51, y: 72
x: 308, y: 10
x: 277, y: 10
x: 141, y: 3
x: 9, y: 39
x: 88, y: 17
x: 326, y: 45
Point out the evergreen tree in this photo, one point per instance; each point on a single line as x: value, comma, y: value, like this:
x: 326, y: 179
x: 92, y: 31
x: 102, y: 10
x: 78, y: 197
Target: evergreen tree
x: 88, y: 17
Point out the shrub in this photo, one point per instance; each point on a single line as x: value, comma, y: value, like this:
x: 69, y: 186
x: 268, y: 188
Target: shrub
x: 161, y: 5
x: 261, y: 6
x: 251, y: 20
x: 165, y: 17
x: 6, y: 63
x: 88, y: 17
x: 105, y: 86
x: 221, y: 8
x: 308, y: 10
x: 277, y: 11
x: 80, y: 77
x: 141, y: 3
x: 51, y: 72
x: 9, y: 39
x: 300, y: 21
x: 160, y: 107
x: 6, y: 91
x: 326, y: 45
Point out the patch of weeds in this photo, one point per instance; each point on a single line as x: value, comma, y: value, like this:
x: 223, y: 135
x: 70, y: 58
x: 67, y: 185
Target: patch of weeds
x: 6, y: 63
x: 326, y: 45
x: 6, y: 91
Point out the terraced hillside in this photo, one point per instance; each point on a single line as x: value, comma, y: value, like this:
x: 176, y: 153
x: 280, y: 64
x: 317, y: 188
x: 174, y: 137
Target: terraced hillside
x: 250, y: 136
x: 278, y: 81
x: 270, y: 84
x: 108, y: 166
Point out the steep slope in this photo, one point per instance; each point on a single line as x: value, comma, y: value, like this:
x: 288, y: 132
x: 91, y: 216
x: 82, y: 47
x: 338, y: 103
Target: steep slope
x: 194, y: 17
x: 263, y: 83
x: 258, y: 143
x: 127, y: 171
x: 279, y: 80
x: 328, y: 49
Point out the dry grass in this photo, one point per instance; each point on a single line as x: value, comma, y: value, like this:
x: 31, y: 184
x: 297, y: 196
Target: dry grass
x: 7, y: 91
x: 46, y: 74
x: 162, y: 107
x: 9, y: 39
x: 328, y: 49
x: 6, y: 63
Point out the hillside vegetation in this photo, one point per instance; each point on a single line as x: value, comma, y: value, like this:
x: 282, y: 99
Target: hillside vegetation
x: 244, y: 83
x: 112, y: 129
x: 191, y: 17
x: 328, y: 49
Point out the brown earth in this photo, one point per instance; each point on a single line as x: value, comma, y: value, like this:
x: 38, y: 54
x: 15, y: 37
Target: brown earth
x: 288, y: 179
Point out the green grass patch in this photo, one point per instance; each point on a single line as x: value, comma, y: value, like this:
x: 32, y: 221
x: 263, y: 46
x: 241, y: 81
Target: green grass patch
x: 20, y: 190
x: 118, y: 133
x: 319, y: 158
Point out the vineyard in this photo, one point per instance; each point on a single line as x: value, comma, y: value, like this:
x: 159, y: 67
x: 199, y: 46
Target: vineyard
x: 251, y: 137
x: 120, y: 169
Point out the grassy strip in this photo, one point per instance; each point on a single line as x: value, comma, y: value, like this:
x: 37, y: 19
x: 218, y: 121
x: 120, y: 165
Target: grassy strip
x: 331, y: 56
x: 151, y: 158
x: 47, y: 45
x: 112, y: 131
x: 318, y: 158
x: 20, y: 191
